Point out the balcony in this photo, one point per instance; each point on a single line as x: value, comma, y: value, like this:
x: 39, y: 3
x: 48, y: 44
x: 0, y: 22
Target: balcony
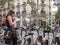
x: 42, y: 4
x: 24, y: 4
x: 43, y: 15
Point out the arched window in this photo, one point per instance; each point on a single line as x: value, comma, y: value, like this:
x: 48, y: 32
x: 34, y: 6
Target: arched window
x: 18, y: 12
x: 33, y: 10
x: 24, y: 10
x: 42, y: 10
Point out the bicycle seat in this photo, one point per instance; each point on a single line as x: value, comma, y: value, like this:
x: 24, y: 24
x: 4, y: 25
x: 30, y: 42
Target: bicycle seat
x: 26, y: 35
x: 30, y: 33
x: 46, y: 31
x: 16, y: 28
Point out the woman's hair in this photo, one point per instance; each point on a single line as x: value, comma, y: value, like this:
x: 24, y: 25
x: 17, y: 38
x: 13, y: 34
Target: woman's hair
x: 10, y: 12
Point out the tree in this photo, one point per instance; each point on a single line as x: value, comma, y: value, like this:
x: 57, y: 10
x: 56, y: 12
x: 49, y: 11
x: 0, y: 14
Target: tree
x: 9, y: 2
x: 3, y: 2
x: 28, y: 1
x: 57, y: 16
x: 42, y: 1
x: 46, y: 27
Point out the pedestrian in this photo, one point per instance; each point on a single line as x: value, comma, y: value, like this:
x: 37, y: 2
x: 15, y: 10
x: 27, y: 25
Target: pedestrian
x: 10, y: 22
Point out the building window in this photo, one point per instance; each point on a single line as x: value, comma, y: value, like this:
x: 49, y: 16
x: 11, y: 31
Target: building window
x: 42, y: 10
x: 24, y: 10
x: 0, y: 15
x: 33, y: 10
x: 4, y: 14
x: 18, y: 12
x: 43, y: 23
x: 24, y: 23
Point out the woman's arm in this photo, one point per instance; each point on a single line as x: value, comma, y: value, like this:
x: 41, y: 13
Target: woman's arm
x: 10, y: 21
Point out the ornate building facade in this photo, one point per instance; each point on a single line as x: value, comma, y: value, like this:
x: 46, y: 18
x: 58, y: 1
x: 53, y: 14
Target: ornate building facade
x: 38, y: 9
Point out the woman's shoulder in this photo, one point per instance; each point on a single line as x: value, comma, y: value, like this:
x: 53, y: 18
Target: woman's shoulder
x: 8, y: 17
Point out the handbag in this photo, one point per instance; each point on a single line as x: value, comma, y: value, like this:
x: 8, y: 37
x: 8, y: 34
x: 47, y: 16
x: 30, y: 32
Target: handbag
x: 7, y: 35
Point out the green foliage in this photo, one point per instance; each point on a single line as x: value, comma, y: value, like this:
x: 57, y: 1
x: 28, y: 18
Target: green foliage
x: 42, y: 1
x: 31, y: 2
x: 56, y: 15
x: 46, y: 27
x: 28, y: 1
x: 3, y: 2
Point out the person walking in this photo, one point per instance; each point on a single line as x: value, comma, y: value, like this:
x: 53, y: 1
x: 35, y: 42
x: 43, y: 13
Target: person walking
x: 9, y: 32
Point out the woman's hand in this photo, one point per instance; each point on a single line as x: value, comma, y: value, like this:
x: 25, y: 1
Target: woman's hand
x: 10, y: 21
x: 15, y: 19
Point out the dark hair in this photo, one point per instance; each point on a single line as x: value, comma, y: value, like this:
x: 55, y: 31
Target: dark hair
x: 10, y: 12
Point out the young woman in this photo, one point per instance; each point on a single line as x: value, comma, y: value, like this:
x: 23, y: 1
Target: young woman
x: 10, y: 22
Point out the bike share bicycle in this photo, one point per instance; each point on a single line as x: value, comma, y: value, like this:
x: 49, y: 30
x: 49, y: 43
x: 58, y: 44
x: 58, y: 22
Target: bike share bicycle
x: 56, y: 38
x: 11, y: 35
x: 27, y: 39
x: 41, y: 40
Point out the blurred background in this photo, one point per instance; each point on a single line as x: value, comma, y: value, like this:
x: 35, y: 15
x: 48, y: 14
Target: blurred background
x: 39, y: 13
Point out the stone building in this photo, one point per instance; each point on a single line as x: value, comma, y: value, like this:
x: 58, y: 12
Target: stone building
x: 38, y: 9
